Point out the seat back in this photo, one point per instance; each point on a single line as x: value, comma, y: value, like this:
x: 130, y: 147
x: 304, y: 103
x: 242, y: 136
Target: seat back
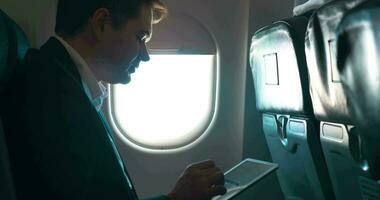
x: 17, y: 47
x: 13, y: 46
x: 280, y: 78
x: 338, y: 136
x: 359, y: 66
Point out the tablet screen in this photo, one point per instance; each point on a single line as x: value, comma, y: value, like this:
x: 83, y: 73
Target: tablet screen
x: 245, y: 174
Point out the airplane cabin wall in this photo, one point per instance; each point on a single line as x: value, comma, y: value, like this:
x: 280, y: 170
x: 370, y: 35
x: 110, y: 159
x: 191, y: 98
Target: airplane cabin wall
x: 227, y: 22
x: 232, y: 24
x: 36, y: 18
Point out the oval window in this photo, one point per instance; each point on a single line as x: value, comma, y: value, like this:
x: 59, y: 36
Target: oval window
x: 170, y: 100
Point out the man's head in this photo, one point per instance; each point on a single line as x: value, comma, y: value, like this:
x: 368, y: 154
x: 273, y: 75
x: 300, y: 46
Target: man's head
x: 110, y: 33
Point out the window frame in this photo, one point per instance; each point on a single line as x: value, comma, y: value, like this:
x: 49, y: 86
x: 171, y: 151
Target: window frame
x: 115, y: 122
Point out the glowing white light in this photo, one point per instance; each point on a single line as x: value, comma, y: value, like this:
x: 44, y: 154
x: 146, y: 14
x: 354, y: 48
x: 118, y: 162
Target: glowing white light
x: 169, y: 102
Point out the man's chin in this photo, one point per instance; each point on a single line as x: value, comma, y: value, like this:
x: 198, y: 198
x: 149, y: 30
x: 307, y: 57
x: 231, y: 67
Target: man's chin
x: 123, y: 78
x: 125, y: 81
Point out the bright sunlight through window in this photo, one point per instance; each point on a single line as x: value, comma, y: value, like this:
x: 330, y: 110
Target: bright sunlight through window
x: 169, y: 103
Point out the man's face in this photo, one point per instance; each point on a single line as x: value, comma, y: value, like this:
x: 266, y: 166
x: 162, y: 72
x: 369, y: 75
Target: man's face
x: 120, y: 51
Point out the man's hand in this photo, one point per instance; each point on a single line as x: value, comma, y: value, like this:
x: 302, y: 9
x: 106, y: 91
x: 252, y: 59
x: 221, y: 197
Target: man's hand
x: 200, y: 181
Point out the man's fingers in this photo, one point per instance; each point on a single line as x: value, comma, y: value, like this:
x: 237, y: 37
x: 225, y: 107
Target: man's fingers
x: 210, y: 171
x: 214, y: 175
x: 217, y: 179
x: 202, y: 165
x: 202, y: 180
x: 217, y: 190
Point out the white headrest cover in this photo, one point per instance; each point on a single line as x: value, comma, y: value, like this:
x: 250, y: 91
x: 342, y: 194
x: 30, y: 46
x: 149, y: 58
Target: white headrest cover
x: 303, y: 6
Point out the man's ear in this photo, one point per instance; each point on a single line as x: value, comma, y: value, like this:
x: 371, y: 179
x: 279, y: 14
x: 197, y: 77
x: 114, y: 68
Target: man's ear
x: 100, y: 20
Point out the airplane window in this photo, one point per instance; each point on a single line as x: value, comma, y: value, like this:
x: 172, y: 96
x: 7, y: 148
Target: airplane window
x: 169, y: 103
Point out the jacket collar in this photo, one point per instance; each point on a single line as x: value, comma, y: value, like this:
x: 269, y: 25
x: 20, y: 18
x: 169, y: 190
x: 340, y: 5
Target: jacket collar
x: 57, y: 51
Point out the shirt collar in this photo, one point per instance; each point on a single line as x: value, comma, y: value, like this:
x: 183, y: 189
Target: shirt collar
x: 95, y: 90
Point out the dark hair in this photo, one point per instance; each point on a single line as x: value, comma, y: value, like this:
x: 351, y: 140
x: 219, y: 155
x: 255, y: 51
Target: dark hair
x: 72, y: 15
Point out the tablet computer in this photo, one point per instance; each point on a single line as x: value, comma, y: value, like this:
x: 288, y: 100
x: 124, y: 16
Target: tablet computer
x: 243, y: 175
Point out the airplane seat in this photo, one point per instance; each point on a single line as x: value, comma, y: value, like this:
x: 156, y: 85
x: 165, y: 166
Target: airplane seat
x: 17, y: 47
x: 279, y: 71
x: 358, y: 49
x: 13, y: 46
x: 339, y: 138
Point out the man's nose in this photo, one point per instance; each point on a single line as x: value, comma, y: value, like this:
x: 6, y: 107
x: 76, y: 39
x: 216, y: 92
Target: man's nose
x: 144, y: 54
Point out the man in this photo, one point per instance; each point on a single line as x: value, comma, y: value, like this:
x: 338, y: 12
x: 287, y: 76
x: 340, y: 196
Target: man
x: 60, y: 145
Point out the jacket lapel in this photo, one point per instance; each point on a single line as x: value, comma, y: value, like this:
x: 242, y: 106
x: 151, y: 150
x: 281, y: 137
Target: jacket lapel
x: 110, y: 134
x: 57, y: 51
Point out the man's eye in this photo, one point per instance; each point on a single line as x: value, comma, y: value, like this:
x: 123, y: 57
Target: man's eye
x: 141, y: 38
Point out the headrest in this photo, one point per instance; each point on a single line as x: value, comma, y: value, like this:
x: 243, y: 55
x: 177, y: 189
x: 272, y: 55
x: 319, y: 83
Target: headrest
x: 304, y: 6
x: 359, y: 65
x: 13, y: 45
x: 277, y: 59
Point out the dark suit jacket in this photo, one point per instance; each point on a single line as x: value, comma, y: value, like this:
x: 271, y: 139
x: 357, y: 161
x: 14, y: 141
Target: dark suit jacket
x: 59, y: 145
